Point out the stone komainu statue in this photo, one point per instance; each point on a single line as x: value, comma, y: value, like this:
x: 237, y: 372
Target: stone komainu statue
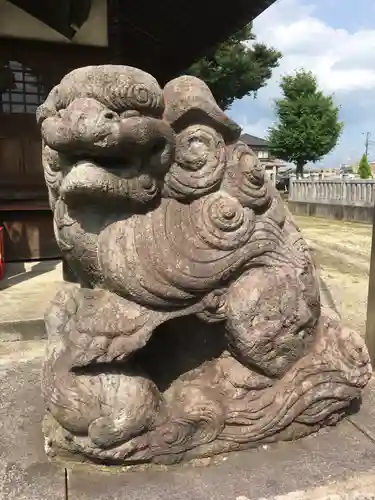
x: 198, y: 326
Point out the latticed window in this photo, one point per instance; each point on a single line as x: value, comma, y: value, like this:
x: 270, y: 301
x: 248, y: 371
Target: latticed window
x: 263, y: 155
x: 24, y: 92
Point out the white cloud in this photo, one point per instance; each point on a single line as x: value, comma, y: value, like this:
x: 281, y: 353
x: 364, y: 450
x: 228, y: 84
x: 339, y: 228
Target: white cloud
x: 343, y: 62
x: 258, y: 128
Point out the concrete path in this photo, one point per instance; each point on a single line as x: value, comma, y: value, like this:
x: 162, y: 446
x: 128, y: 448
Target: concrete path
x: 26, y: 289
x: 25, y: 473
x: 25, y: 292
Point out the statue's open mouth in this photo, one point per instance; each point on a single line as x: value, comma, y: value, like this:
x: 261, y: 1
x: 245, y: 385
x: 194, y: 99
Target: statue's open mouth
x: 111, y: 159
x: 108, y: 180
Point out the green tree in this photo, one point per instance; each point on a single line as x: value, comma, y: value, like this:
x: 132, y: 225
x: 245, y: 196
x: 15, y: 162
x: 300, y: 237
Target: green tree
x: 237, y: 68
x: 307, y: 125
x: 364, y: 169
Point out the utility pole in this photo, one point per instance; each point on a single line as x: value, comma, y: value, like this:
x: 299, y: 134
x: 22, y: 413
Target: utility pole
x: 370, y: 321
x: 367, y: 142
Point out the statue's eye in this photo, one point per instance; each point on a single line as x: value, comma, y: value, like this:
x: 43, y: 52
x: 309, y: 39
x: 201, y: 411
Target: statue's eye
x: 129, y: 113
x: 110, y: 115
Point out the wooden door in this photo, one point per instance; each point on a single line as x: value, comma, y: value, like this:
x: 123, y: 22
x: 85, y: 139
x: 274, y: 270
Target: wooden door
x: 21, y: 174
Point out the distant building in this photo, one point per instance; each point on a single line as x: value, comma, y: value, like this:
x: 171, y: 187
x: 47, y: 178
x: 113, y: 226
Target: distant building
x: 258, y: 145
x: 347, y: 169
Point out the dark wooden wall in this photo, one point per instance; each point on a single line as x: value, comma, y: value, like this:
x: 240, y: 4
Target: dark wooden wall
x: 24, y: 211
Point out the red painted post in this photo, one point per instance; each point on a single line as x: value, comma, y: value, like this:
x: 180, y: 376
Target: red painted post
x: 2, y: 256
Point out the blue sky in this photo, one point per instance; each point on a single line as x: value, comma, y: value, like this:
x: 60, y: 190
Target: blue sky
x: 336, y: 40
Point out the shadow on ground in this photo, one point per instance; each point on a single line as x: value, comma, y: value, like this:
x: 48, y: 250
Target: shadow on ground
x: 17, y: 272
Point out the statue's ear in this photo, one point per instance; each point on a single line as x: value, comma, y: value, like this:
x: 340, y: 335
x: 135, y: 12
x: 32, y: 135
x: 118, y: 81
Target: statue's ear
x: 188, y: 100
x: 48, y: 108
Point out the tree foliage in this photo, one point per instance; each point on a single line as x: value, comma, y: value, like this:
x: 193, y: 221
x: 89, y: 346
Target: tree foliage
x: 237, y: 68
x: 308, y: 125
x: 364, y: 169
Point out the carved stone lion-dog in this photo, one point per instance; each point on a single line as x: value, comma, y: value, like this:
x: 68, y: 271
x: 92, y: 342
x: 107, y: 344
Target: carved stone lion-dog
x: 198, y: 327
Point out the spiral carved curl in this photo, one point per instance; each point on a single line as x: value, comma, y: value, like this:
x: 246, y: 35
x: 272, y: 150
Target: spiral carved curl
x: 222, y: 222
x: 245, y: 179
x: 199, y: 163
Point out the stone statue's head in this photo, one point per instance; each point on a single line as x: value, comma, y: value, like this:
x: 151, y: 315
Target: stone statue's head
x: 113, y: 138
x: 105, y: 141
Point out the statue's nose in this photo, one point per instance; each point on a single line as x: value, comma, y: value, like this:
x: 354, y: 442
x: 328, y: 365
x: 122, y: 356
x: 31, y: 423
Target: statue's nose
x: 144, y: 135
x: 150, y: 139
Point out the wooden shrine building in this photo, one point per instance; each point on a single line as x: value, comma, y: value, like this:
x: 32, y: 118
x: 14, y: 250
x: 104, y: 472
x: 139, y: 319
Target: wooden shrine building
x: 41, y: 40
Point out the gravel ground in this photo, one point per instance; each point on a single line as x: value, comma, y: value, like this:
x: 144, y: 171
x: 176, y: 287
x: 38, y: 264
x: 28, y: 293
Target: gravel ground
x: 342, y: 253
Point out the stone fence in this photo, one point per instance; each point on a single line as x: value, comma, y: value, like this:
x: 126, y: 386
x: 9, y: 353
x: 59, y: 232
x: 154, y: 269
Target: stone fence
x: 345, y: 199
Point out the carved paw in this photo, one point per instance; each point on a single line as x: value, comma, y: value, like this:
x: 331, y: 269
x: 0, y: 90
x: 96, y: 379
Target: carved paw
x: 270, y: 325
x: 99, y: 326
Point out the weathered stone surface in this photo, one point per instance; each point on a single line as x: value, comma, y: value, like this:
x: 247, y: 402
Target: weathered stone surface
x: 198, y: 327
